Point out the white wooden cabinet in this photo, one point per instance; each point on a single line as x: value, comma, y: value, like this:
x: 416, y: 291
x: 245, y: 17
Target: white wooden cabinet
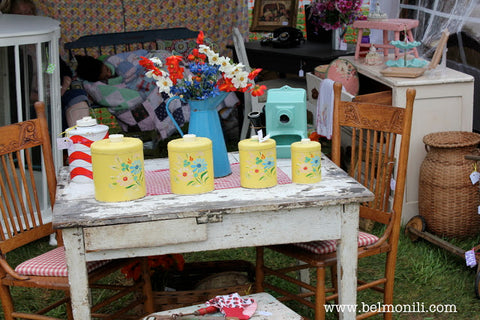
x: 444, y: 102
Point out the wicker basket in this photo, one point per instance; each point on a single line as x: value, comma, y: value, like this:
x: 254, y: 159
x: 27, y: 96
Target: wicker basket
x: 447, y: 199
x: 202, y: 281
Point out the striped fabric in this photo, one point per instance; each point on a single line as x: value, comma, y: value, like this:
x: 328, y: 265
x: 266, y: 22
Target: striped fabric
x: 329, y: 246
x: 51, y: 264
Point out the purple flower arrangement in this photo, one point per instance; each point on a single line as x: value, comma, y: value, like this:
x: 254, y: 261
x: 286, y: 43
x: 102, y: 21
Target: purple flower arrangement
x: 334, y: 14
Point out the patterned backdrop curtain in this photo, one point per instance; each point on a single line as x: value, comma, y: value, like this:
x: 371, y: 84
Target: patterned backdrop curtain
x: 215, y: 18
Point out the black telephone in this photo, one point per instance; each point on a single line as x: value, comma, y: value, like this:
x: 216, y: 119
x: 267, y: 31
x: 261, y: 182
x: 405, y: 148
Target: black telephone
x: 285, y: 37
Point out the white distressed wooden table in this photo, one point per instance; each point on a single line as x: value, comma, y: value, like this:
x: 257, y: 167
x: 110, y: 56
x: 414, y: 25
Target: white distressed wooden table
x: 268, y: 308
x: 221, y: 219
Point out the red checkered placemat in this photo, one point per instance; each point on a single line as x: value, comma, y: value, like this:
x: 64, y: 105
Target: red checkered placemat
x: 158, y: 181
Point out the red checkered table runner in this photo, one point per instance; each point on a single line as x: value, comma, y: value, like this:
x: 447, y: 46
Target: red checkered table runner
x: 158, y: 181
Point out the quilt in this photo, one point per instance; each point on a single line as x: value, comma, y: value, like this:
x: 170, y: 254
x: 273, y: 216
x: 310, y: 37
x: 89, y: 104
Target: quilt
x: 134, y: 99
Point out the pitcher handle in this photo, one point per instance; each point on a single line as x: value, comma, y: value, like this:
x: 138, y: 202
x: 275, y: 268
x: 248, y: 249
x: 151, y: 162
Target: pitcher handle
x: 171, y: 116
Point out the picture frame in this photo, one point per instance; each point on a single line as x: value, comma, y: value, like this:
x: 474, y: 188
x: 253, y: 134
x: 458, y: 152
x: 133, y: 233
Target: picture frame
x: 269, y: 15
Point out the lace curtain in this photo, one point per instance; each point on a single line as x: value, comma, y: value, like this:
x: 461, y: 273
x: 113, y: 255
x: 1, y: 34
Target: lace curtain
x: 436, y: 16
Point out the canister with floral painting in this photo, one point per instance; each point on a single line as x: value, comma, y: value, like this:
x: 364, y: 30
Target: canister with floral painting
x: 191, y: 165
x: 118, y: 169
x: 258, y: 163
x: 306, y: 161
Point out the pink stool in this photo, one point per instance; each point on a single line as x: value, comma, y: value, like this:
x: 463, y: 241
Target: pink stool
x: 395, y: 25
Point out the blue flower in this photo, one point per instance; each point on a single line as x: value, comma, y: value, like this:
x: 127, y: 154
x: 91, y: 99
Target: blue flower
x: 136, y: 167
x: 315, y: 161
x: 199, y: 165
x: 268, y: 163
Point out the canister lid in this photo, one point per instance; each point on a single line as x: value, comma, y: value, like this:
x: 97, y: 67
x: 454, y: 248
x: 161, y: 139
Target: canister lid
x: 306, y: 144
x: 115, y: 144
x: 86, y: 122
x: 87, y: 126
x: 254, y: 144
x: 189, y: 142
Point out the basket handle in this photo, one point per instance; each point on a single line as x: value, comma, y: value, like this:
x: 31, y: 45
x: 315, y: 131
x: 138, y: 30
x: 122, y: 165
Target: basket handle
x: 472, y: 157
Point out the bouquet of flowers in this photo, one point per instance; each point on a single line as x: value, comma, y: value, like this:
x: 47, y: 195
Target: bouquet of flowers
x: 206, y: 74
x: 333, y: 14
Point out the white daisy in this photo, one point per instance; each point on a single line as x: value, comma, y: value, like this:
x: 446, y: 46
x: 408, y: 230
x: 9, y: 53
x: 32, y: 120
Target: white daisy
x: 240, y: 80
x: 164, y: 84
x: 225, y: 64
x: 157, y: 61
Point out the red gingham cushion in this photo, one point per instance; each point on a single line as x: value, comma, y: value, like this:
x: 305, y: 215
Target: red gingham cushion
x: 328, y: 246
x: 51, y: 264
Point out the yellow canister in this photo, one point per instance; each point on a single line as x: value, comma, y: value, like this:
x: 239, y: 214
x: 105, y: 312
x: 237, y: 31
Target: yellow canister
x: 258, y: 163
x: 191, y: 165
x: 306, y: 161
x: 118, y: 170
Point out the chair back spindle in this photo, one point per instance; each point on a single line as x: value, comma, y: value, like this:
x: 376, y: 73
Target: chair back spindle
x: 25, y: 160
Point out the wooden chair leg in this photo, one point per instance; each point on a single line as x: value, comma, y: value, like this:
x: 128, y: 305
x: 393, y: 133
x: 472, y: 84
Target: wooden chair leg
x: 259, y: 273
x: 68, y: 306
x: 334, y: 275
x: 320, y: 295
x: 7, y: 302
x: 149, y: 305
x: 390, y: 275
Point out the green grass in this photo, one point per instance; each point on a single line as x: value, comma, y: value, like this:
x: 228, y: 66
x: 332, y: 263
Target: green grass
x: 425, y: 274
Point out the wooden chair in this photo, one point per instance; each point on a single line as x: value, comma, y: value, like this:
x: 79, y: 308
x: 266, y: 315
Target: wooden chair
x: 25, y: 219
x: 375, y: 131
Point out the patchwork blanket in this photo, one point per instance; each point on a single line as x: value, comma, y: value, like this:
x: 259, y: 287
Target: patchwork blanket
x: 135, y: 101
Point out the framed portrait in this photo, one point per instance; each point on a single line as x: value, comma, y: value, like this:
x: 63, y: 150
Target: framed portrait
x: 269, y: 15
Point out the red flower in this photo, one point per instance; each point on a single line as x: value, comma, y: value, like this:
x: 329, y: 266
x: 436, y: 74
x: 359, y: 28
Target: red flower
x: 157, y: 72
x: 226, y: 84
x: 200, y: 38
x: 146, y: 63
x: 197, y: 56
x: 149, y: 65
x: 254, y: 73
x: 173, y: 63
x: 258, y: 90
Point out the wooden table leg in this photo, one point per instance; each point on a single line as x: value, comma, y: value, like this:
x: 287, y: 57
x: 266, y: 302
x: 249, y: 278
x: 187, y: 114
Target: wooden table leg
x: 347, y: 249
x: 77, y: 272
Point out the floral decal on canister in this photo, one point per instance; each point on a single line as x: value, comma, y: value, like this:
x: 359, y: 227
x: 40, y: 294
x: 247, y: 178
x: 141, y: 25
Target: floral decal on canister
x: 309, y: 166
x: 130, y: 173
x: 193, y: 170
x: 263, y: 167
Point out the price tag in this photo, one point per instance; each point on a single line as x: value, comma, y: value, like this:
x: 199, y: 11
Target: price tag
x: 470, y: 258
x: 64, y: 143
x: 50, y: 68
x: 301, y: 73
x: 393, y: 184
x: 475, y: 177
x: 261, y: 138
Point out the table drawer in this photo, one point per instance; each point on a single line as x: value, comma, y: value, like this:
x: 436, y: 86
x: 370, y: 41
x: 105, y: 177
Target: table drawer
x: 145, y: 234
